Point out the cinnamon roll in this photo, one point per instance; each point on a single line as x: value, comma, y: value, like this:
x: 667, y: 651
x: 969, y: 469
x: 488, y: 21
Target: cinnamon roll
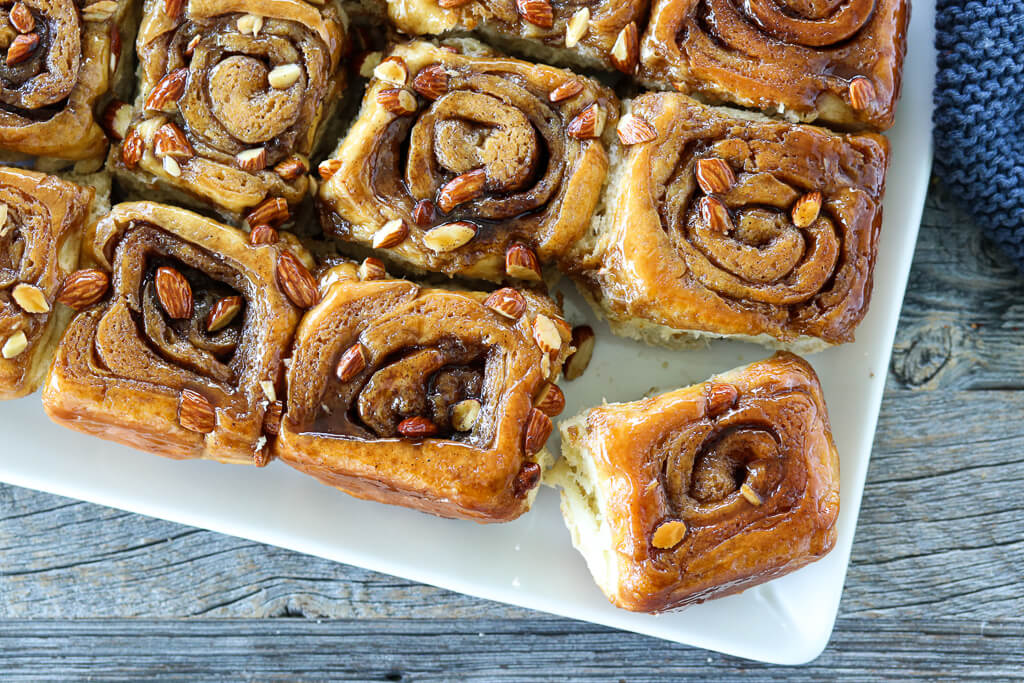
x: 182, y: 355
x: 705, y: 491
x: 433, y: 399
x: 595, y: 33
x: 469, y: 163
x: 61, y: 61
x: 840, y: 62
x: 722, y: 223
x: 231, y: 101
x: 41, y: 223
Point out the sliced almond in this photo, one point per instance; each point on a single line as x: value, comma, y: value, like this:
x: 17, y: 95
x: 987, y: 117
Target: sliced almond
x: 465, y: 414
x: 284, y: 76
x: 170, y: 141
x: 191, y: 47
x: 633, y: 130
x: 392, y: 70
x: 807, y: 209
x: 30, y: 298
x: 431, y: 81
x: 328, y: 167
x: 626, y: 50
x: 752, y: 496
x: 172, y: 8
x: 583, y: 339
x: 83, y: 288
x: 252, y: 160
x: 714, y: 175
x: 550, y: 400
x: 577, y: 27
x: 449, y: 236
x: 715, y: 214
x: 545, y: 333
x: 397, y: 101
x: 461, y: 189
x: 862, y: 94
x: 588, y: 124
x: 14, y: 345
x: 268, y: 390
x: 566, y: 90
x: 352, y: 362
x: 507, y: 302
x: 223, y: 313
x: 372, y: 269
x: 195, y: 412
x: 521, y: 263
x: 536, y: 12
x: 669, y: 534
x: 4, y: 225
x: 174, y: 293
x: 391, y: 234
x: 538, y: 429
x: 172, y: 167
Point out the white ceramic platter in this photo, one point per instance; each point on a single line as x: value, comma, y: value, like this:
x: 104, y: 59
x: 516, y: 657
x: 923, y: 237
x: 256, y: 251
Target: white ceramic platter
x: 531, y: 562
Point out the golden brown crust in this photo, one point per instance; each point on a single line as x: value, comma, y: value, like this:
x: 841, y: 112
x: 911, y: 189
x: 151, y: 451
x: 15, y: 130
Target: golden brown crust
x: 593, y: 34
x: 794, y: 58
x: 50, y: 95
x: 745, y: 461
x: 125, y: 364
x: 247, y: 85
x: 493, y: 120
x: 43, y: 220
x: 378, y: 363
x: 731, y: 260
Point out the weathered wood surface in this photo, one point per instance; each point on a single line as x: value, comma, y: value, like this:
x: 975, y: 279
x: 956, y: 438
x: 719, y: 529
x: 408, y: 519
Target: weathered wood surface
x: 935, y: 588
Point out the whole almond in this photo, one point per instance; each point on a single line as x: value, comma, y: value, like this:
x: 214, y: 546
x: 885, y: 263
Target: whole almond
x: 566, y: 90
x: 423, y: 213
x: 30, y: 298
x: 588, y: 124
x: 537, y: 12
x: 263, y: 234
x: 465, y: 414
x: 626, y: 50
x: 449, y: 236
x: 807, y: 209
x: 273, y: 212
x: 292, y: 167
x: 21, y: 18
x: 633, y: 130
x: 668, y: 534
x: 714, y: 175
x: 352, y: 362
x: 862, y: 94
x: 372, y: 269
x: 545, y: 333
x: 417, y: 428
x: 720, y: 398
x: 83, y: 288
x: 507, y: 302
x: 21, y: 48
x: 195, y: 412
x: 174, y: 292
x: 715, y: 214
x: 583, y: 339
x: 550, y: 400
x: 170, y: 141
x: 521, y: 263
x: 461, y: 189
x: 397, y: 101
x: 223, y: 313
x: 538, y: 429
x: 431, y: 81
x: 167, y: 91
x: 115, y: 119
x: 527, y: 479
x: 391, y: 234
x: 133, y: 148
x: 296, y: 281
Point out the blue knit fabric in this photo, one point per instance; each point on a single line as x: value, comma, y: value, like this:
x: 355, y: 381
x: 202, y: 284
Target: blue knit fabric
x: 979, y: 123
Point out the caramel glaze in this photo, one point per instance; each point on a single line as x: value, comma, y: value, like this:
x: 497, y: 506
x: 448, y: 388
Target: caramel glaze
x: 679, y: 456
x: 541, y: 184
x: 425, y: 350
x: 796, y: 55
x: 124, y: 362
x: 663, y: 260
x: 39, y: 242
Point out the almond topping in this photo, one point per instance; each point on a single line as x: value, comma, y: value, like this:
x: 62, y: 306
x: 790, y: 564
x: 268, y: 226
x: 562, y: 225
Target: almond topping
x: 452, y: 4
x: 296, y: 281
x: 21, y: 48
x: 21, y: 18
x: 172, y: 8
x: 328, y: 167
x: 526, y: 480
x: 550, y: 400
x: 577, y: 27
x: 720, y: 398
x: 568, y: 89
x: 417, y: 428
x: 174, y: 293
x: 465, y: 414
x: 862, y: 94
x: 272, y: 418
x: 223, y: 313
x: 372, y: 269
x: 583, y: 340
x: 545, y: 333
x: 292, y: 167
x: 714, y: 175
x: 633, y: 130
x: 461, y: 189
x: 272, y: 212
x: 83, y: 288
x: 352, y: 362
x: 807, y: 209
x: 431, y: 82
x: 284, y: 76
x: 99, y: 11
x: 538, y: 429
x: 588, y: 124
x: 392, y: 70
x: 626, y: 50
x: 252, y: 160
x: 449, y: 236
x: 268, y: 390
x: 507, y: 302
x: 423, y: 213
x: 391, y: 234
x: 249, y: 23
x: 170, y: 141
x: 133, y: 148
x: 30, y: 298
x: 369, y: 62
x: 14, y: 345
x: 191, y: 47
x: 715, y: 214
x: 195, y: 413
x: 537, y: 12
x: 115, y: 119
x: 263, y: 234
x: 521, y: 263
x: 668, y: 534
x: 4, y: 225
x: 752, y: 496
x: 397, y: 101
x: 172, y: 167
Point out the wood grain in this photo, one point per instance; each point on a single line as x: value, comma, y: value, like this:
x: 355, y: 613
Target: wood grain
x: 935, y: 588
